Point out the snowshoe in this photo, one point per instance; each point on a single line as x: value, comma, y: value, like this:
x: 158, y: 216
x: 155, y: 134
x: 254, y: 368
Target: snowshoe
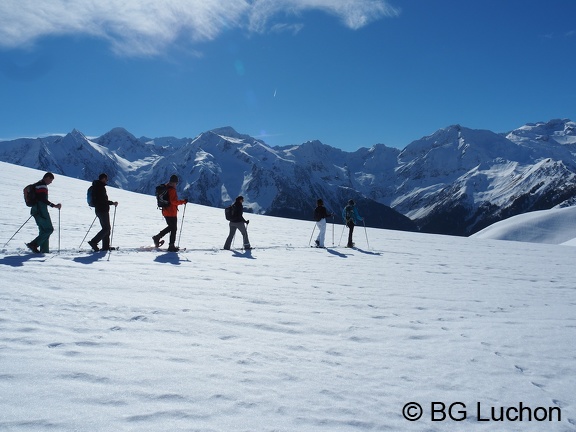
x: 157, y: 241
x: 33, y: 247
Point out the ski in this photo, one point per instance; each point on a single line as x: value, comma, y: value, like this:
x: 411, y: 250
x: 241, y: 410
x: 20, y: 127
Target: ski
x: 154, y: 248
x: 287, y: 247
x: 114, y: 248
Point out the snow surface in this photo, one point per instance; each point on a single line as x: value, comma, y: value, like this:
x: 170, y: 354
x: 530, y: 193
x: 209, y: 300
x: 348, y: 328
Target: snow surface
x: 554, y: 226
x: 282, y: 338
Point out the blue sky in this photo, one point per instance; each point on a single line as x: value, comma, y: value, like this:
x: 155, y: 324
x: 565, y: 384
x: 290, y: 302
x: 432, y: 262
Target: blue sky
x: 350, y: 73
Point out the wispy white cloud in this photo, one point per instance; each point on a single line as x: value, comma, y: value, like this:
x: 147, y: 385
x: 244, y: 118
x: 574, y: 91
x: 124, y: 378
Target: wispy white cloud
x: 137, y: 27
x: 353, y: 13
x: 146, y: 27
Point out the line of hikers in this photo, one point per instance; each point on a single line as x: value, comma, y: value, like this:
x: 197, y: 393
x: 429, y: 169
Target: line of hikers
x: 36, y: 197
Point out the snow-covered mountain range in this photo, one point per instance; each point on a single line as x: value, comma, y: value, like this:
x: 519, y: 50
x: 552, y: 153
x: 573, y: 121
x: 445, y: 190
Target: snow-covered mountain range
x: 455, y: 181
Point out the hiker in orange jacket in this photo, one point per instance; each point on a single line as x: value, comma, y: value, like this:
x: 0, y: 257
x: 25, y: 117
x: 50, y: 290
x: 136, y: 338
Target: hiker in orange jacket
x: 170, y: 213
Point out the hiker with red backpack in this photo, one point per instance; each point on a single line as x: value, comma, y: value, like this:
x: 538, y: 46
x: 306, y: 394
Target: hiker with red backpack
x: 170, y: 213
x: 39, y: 210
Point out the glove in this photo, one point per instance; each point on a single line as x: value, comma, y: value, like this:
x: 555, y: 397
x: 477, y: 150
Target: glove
x: 247, y: 222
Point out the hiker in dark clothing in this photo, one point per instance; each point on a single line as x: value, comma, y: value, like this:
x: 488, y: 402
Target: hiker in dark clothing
x: 40, y: 213
x: 320, y: 215
x: 237, y: 222
x: 102, y: 208
x: 170, y: 213
x: 351, y: 217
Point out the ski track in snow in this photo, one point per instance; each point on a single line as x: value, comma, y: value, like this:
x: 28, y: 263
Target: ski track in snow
x: 281, y: 338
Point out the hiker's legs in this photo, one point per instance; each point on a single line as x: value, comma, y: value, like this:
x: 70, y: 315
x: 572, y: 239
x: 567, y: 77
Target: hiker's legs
x: 45, y: 229
x: 104, y: 234
x: 228, y: 242
x: 171, y: 228
x: 350, y: 233
x: 321, y: 225
x: 172, y: 222
x: 242, y: 228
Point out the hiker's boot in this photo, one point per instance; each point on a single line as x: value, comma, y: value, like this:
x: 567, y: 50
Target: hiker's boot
x: 33, y: 247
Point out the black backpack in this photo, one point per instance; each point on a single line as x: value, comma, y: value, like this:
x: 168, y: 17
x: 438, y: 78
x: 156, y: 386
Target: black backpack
x: 90, y: 196
x: 349, y: 213
x: 162, y: 199
x: 30, y: 195
x: 317, y: 216
x: 229, y: 212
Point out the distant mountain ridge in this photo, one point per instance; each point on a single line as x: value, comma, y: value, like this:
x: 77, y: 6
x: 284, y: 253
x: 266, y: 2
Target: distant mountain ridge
x: 456, y: 181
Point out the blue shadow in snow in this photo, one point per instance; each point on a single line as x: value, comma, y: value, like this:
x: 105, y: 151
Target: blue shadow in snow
x: 19, y: 260
x: 335, y: 252
x: 367, y: 252
x: 90, y: 259
x: 243, y: 254
x: 169, y: 258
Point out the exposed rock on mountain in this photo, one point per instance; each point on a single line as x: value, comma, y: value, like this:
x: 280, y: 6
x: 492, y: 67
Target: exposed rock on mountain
x: 455, y: 181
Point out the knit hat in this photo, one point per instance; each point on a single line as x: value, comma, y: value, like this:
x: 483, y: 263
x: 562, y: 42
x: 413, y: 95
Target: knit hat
x: 173, y: 178
x: 351, y: 202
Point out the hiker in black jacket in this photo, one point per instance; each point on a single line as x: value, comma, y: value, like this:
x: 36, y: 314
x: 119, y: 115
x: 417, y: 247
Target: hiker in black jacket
x: 320, y: 215
x: 102, y: 208
x: 237, y: 222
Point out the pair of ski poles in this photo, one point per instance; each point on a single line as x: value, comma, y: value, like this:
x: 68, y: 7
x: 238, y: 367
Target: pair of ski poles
x: 365, y: 232
x: 22, y: 226
x: 111, y: 231
x: 311, y: 235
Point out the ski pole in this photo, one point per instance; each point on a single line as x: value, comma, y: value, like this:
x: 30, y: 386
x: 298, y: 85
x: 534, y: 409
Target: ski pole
x: 310, y: 241
x: 366, y: 232
x: 113, y: 223
x: 340, y: 241
x: 59, y: 225
x: 17, y: 231
x: 82, y: 242
x: 332, y: 230
x: 112, y: 233
x: 181, y: 225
